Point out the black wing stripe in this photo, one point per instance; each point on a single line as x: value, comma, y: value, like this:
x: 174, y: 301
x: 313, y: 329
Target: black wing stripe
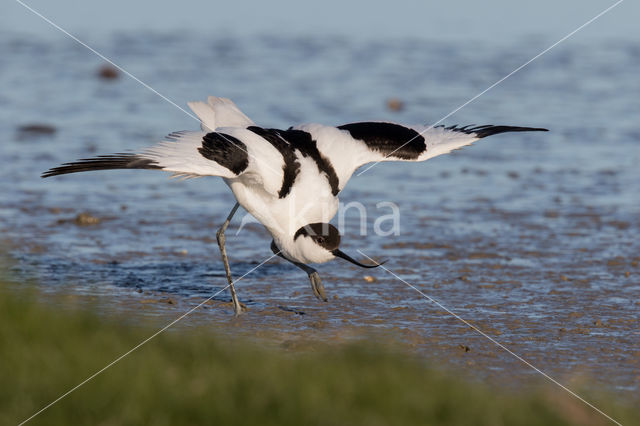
x: 103, y: 162
x: 291, y: 166
x: 225, y: 150
x: 388, y: 138
x: 303, y: 142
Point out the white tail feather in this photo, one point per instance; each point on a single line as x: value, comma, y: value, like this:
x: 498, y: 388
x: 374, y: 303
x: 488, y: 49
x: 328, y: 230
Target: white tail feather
x: 206, y: 114
x: 227, y: 113
x: 219, y: 112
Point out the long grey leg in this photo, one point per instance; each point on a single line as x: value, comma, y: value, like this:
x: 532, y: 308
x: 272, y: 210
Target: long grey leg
x: 221, y: 240
x: 314, y: 277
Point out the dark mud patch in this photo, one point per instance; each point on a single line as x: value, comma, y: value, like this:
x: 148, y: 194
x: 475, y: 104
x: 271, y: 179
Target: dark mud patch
x: 35, y: 130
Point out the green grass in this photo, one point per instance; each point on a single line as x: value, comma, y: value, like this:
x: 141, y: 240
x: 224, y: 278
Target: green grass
x: 194, y: 377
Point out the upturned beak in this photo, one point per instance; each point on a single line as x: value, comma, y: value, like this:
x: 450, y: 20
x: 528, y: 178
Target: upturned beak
x: 339, y: 253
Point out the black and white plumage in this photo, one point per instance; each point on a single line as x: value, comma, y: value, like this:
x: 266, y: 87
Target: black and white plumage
x: 289, y: 180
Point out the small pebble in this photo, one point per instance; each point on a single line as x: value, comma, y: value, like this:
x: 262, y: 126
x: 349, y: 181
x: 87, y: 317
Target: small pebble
x: 369, y: 279
x: 395, y: 104
x: 108, y: 72
x: 85, y: 219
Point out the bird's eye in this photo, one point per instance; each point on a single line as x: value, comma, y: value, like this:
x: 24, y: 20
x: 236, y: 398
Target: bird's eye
x: 320, y: 240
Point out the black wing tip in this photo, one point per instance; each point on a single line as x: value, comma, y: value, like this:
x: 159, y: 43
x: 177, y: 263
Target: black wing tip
x: 494, y: 130
x: 102, y: 162
x: 490, y: 129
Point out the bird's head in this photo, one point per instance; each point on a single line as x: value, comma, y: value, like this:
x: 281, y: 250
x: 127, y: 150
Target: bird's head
x: 320, y: 242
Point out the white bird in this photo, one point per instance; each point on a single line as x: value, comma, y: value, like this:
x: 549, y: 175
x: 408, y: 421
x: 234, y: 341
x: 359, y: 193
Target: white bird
x: 289, y: 180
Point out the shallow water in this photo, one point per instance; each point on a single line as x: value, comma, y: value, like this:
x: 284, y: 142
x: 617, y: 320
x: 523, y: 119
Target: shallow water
x: 530, y: 237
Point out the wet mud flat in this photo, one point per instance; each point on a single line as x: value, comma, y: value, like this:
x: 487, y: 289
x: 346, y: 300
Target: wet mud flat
x: 533, y: 239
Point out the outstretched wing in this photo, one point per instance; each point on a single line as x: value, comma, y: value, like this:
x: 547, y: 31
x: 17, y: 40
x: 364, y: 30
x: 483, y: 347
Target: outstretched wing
x: 224, y: 148
x: 183, y: 153
x: 230, y: 152
x: 350, y: 146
